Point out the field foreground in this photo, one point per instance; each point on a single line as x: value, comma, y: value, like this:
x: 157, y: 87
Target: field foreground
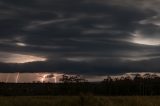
x: 79, y: 101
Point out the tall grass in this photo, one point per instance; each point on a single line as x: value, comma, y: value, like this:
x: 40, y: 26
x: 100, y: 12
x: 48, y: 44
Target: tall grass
x: 81, y: 100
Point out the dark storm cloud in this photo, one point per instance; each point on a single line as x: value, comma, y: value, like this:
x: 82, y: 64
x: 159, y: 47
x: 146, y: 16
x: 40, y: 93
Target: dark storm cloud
x: 100, y: 67
x: 79, y: 36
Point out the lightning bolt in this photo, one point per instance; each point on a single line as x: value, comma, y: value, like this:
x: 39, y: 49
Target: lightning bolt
x: 17, y: 77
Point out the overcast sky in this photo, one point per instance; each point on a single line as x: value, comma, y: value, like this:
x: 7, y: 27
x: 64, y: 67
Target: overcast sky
x: 80, y: 36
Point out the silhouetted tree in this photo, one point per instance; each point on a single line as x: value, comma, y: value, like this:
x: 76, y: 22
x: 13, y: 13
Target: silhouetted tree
x: 72, y: 79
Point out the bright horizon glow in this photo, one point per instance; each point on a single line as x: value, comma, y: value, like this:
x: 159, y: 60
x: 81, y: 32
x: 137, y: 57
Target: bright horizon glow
x: 38, y: 77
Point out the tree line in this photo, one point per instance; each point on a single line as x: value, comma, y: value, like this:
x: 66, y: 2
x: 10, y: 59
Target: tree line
x: 76, y: 85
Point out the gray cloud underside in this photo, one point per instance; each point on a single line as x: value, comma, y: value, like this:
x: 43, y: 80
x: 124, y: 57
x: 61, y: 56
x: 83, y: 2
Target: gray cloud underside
x: 81, y: 36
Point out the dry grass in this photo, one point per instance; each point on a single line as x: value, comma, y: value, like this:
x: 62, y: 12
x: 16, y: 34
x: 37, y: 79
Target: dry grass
x: 79, y: 101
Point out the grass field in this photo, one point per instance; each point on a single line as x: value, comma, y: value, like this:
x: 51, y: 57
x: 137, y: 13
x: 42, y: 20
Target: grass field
x: 79, y: 101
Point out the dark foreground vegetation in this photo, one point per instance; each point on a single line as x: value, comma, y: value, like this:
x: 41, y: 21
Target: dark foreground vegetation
x: 79, y: 101
x: 73, y: 86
